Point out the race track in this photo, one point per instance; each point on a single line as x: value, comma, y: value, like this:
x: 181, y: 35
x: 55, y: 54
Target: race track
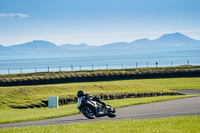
x: 180, y: 107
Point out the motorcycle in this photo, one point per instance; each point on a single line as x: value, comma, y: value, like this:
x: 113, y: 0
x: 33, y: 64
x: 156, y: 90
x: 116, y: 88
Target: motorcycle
x: 92, y: 109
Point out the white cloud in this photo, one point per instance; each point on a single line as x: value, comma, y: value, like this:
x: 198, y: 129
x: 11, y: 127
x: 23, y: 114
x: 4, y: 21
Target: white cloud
x: 13, y: 15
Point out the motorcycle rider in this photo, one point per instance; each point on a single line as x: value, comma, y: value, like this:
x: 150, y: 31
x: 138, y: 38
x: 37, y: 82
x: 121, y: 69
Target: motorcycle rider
x: 81, y: 93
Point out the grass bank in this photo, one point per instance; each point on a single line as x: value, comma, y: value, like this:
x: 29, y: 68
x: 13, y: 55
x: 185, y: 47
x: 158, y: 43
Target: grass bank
x: 34, y: 95
x: 174, y: 83
x: 179, y: 124
x: 19, y: 115
x: 98, y: 75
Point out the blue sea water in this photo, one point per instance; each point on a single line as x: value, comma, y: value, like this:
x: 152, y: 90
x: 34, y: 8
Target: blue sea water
x: 95, y: 60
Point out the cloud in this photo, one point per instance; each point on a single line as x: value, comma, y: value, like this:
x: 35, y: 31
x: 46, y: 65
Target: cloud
x: 13, y: 15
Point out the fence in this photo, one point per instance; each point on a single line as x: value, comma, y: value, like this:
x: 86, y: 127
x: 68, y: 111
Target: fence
x: 80, y: 67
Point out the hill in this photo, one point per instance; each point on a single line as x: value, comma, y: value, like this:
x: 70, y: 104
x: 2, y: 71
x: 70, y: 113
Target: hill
x: 167, y: 42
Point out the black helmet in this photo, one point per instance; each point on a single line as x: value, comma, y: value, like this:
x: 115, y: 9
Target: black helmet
x: 80, y: 93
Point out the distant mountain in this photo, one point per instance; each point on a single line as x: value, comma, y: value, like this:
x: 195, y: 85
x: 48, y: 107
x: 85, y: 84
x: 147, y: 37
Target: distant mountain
x: 37, y: 44
x: 167, y: 42
x: 175, y: 41
x: 144, y: 40
x: 3, y: 49
x: 115, y: 46
x: 175, y: 38
x: 76, y: 47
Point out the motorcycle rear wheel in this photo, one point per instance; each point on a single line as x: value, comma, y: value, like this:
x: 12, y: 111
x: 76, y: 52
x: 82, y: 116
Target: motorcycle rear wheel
x: 88, y: 112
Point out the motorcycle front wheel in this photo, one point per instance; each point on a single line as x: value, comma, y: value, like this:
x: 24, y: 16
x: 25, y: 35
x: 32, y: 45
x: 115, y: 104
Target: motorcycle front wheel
x: 88, y: 112
x: 112, y: 112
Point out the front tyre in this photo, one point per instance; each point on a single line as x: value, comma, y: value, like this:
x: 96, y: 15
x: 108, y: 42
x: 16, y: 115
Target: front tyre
x: 88, y: 112
x: 112, y: 112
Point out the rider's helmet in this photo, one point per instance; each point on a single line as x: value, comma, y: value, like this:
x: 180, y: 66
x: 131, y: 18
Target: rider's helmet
x: 80, y: 93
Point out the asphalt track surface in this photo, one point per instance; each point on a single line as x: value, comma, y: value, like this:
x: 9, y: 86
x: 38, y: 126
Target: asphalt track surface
x: 189, y: 91
x: 180, y: 107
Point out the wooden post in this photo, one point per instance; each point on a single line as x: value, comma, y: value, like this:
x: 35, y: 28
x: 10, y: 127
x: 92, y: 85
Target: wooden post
x: 71, y: 67
x: 156, y: 64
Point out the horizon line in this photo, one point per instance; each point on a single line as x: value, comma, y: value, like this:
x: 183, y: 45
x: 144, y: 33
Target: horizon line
x: 110, y: 42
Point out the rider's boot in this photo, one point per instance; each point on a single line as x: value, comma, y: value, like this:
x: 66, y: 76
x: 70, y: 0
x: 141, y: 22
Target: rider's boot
x: 104, y: 105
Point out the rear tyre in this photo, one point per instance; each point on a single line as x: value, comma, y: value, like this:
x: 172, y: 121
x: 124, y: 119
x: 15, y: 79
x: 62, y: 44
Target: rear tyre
x: 88, y: 112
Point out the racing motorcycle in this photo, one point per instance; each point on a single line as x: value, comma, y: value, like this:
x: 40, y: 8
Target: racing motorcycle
x: 92, y: 109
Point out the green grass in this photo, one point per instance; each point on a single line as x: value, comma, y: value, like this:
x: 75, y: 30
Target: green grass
x: 29, y: 95
x: 179, y: 124
x: 19, y: 115
x: 97, y: 75
x: 47, y: 75
x: 174, y: 83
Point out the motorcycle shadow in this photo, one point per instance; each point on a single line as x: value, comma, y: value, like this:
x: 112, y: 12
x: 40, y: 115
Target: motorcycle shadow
x: 80, y: 120
x: 74, y: 120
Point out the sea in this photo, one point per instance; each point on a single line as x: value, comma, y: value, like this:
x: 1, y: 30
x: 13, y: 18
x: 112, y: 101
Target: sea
x: 78, y: 61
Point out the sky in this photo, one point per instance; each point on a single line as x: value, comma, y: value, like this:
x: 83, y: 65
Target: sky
x: 96, y: 22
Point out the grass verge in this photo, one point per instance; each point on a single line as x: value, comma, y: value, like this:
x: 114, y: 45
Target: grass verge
x: 19, y: 115
x: 179, y: 124
x: 33, y: 95
x: 97, y: 75
x: 174, y: 83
